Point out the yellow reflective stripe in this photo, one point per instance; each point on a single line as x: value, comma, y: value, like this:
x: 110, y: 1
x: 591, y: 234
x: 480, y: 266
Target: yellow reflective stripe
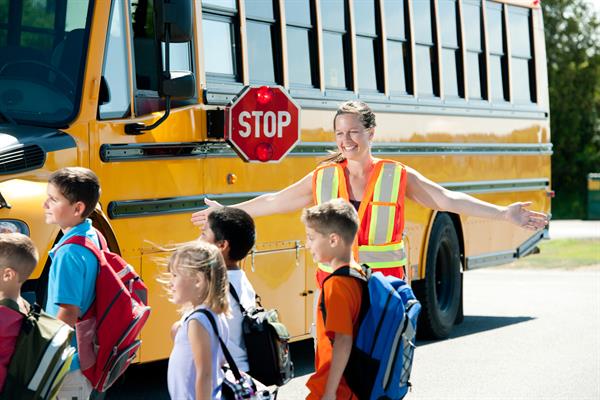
x: 373, y: 224
x: 325, y: 268
x: 384, y: 248
x: 335, y: 183
x: 319, y: 185
x: 396, y: 184
x: 387, y: 264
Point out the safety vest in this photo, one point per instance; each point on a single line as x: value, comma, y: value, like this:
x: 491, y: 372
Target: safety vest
x: 379, y: 241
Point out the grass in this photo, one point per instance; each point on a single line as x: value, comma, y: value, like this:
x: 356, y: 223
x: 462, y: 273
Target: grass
x: 563, y: 253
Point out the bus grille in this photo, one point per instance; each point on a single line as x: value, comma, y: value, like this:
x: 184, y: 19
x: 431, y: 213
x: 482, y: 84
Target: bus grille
x: 22, y: 159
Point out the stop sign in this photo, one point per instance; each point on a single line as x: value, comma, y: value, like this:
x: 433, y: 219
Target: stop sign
x: 262, y: 124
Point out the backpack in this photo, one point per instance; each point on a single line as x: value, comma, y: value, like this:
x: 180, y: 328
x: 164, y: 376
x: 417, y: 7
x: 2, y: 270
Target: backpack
x: 382, y: 353
x: 267, y: 345
x: 237, y: 385
x: 42, y: 356
x: 107, y: 334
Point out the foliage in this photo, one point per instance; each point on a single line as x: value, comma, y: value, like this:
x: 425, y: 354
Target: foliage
x: 573, y: 51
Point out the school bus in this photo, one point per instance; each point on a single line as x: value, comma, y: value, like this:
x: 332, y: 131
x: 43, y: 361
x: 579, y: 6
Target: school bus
x: 459, y: 88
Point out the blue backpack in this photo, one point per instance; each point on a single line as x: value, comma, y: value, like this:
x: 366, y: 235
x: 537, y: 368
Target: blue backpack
x: 382, y: 352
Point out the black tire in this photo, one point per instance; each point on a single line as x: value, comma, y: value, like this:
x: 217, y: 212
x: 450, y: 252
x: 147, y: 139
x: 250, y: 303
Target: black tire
x: 440, y: 291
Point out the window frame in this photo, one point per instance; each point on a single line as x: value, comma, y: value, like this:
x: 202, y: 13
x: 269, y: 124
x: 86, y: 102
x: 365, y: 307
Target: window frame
x: 276, y: 43
x: 312, y: 32
x: 513, y: 9
x: 407, y: 54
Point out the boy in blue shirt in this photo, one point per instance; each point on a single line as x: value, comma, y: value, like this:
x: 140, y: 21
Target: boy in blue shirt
x: 72, y: 195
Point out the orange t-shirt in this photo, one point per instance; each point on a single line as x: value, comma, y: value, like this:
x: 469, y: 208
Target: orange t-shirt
x: 343, y: 297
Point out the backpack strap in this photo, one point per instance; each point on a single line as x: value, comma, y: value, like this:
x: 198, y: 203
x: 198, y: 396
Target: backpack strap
x: 350, y: 272
x: 10, y: 303
x: 236, y: 297
x: 226, y: 353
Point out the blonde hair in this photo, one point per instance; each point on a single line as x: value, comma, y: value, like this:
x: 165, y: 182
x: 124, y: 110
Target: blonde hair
x: 365, y: 115
x: 199, y: 257
x: 18, y: 252
x: 335, y: 216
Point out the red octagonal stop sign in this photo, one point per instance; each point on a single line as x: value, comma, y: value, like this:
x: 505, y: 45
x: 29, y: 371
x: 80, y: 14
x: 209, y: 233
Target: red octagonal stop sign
x: 262, y: 124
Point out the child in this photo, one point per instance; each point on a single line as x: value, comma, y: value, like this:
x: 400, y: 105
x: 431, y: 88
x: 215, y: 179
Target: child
x: 18, y: 258
x: 232, y: 231
x: 72, y: 195
x: 330, y: 231
x: 198, y: 281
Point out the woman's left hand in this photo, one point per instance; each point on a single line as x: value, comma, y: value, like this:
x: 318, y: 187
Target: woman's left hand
x: 518, y: 214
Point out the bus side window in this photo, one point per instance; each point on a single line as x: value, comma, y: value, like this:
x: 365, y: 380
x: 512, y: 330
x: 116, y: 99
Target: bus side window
x: 398, y: 47
x: 146, y: 59
x: 497, y: 49
x: 301, y: 44
x: 221, y: 38
x: 263, y: 61
x: 473, y: 29
x: 425, y: 49
x: 522, y: 63
x: 368, y: 46
x: 452, y: 65
x: 336, y: 45
x: 114, y: 71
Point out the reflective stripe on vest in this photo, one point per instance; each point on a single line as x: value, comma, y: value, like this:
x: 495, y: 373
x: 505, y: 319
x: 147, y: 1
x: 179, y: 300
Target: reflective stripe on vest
x: 327, y: 184
x: 383, y: 208
x: 383, y: 256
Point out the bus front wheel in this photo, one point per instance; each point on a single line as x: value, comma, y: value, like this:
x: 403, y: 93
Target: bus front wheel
x: 440, y: 291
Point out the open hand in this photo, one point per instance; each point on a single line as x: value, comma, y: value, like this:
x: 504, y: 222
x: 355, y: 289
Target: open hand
x: 199, y: 218
x: 518, y: 214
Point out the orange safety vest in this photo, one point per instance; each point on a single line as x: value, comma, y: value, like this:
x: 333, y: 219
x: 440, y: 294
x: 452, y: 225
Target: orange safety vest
x: 379, y: 241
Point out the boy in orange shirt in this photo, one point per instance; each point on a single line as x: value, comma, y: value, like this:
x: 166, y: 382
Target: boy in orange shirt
x: 330, y: 231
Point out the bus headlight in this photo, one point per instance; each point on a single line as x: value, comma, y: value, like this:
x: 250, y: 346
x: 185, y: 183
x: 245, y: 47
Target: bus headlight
x: 12, y: 226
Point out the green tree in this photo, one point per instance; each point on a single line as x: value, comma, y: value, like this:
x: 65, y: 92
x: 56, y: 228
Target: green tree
x: 573, y: 51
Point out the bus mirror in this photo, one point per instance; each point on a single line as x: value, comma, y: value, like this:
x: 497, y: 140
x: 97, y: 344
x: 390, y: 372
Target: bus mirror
x: 178, y: 84
x: 173, y: 20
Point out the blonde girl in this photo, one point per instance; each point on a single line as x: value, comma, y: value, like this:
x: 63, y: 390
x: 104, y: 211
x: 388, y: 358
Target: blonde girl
x: 198, y: 281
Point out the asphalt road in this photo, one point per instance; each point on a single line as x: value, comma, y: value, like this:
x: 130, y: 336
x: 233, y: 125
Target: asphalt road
x: 526, y: 335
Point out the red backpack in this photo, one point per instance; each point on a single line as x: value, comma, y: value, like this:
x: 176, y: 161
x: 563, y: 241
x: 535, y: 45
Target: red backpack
x: 107, y: 334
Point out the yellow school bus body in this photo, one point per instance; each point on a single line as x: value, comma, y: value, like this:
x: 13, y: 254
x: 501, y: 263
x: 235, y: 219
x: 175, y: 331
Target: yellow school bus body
x: 461, y: 152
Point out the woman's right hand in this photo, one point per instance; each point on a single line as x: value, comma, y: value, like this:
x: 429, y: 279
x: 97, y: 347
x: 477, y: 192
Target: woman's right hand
x: 199, y: 218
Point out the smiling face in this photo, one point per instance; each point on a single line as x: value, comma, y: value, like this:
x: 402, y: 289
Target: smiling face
x: 60, y: 211
x: 352, y: 138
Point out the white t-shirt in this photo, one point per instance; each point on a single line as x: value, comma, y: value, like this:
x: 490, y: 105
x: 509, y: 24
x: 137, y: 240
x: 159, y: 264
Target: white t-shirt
x: 247, y: 296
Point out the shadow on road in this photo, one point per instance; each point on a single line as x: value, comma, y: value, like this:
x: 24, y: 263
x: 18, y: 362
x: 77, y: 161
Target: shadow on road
x: 479, y: 323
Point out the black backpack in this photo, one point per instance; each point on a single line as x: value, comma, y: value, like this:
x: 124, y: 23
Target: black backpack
x: 267, y: 345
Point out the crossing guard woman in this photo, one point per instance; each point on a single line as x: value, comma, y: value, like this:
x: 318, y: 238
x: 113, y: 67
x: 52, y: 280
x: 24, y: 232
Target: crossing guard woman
x: 377, y: 189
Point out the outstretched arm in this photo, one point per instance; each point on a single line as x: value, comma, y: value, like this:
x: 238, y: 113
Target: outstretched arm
x: 432, y: 195
x: 292, y: 198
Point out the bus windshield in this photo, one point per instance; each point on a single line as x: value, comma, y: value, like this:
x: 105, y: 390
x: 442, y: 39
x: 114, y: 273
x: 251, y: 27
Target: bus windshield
x: 42, y: 49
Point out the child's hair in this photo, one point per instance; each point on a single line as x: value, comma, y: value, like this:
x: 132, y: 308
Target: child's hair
x: 78, y: 184
x: 18, y: 252
x: 200, y: 257
x: 335, y: 216
x: 237, y: 227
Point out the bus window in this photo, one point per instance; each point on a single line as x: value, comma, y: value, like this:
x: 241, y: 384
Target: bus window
x: 398, y: 49
x: 497, y: 49
x: 146, y: 60
x: 336, y: 45
x: 425, y: 49
x: 115, y: 71
x: 368, y: 47
x: 473, y: 30
x: 451, y: 51
x: 301, y: 44
x: 42, y: 51
x: 522, y: 66
x: 220, y: 40
x: 262, y: 40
